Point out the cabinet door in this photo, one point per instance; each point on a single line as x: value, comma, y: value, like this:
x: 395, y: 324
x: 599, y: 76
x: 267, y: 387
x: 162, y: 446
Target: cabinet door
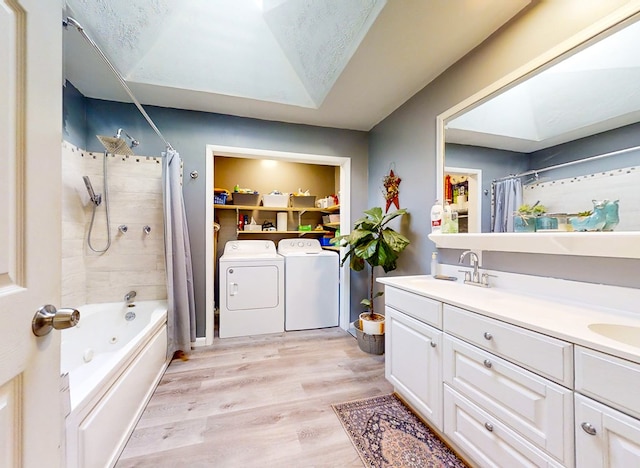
x: 539, y: 410
x: 413, y: 364
x: 605, y: 437
x: 485, y: 439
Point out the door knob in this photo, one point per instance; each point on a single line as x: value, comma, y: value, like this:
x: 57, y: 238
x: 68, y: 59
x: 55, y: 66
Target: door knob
x: 48, y: 317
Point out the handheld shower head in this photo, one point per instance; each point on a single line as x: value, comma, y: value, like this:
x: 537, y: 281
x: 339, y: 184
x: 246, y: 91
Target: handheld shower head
x: 96, y: 198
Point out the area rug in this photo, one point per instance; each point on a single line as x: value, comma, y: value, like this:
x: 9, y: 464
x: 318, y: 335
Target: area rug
x: 387, y: 434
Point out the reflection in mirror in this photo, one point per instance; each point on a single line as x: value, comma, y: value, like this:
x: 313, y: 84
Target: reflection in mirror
x: 557, y: 140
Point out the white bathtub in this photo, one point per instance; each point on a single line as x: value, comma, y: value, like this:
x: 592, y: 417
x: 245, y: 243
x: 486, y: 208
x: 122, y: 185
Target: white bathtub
x: 114, y: 366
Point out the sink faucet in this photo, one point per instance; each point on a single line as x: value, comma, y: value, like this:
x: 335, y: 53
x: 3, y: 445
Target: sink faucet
x: 128, y: 298
x: 473, y: 259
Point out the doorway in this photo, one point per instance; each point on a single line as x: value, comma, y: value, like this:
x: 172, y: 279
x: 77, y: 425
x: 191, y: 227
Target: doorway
x: 344, y: 164
x: 472, y: 209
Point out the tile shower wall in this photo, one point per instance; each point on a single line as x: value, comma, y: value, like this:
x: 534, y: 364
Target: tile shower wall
x: 135, y: 260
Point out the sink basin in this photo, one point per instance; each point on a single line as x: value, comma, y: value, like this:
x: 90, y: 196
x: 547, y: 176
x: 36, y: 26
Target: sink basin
x: 626, y: 334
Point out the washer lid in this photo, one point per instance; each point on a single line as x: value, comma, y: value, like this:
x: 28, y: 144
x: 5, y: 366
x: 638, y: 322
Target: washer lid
x: 250, y: 248
x: 299, y: 246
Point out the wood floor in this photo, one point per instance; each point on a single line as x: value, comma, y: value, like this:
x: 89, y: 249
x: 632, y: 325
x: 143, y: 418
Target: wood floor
x: 261, y: 401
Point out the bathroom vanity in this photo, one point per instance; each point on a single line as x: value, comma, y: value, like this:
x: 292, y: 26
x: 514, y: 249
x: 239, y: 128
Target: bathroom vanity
x: 514, y: 379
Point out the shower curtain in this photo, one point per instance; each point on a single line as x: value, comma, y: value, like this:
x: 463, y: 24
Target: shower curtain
x: 181, y: 319
x: 507, y: 199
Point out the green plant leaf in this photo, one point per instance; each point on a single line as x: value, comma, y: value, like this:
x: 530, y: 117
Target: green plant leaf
x: 396, y: 241
x: 378, y: 294
x: 367, y: 250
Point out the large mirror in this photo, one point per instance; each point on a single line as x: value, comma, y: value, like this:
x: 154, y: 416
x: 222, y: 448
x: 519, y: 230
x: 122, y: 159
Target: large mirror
x: 560, y: 137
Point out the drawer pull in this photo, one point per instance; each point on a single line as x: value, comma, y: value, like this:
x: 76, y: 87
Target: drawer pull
x: 433, y: 344
x: 488, y: 426
x: 488, y: 336
x: 588, y: 428
x: 487, y: 364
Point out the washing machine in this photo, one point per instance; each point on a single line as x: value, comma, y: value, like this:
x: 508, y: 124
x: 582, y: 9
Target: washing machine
x: 312, y: 278
x: 251, y: 290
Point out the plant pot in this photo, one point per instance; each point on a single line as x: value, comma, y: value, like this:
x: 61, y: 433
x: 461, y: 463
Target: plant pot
x: 372, y: 344
x: 372, y: 327
x: 524, y: 224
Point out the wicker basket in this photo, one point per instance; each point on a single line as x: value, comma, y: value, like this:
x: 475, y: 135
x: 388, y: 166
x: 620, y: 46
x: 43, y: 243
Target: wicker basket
x: 372, y: 344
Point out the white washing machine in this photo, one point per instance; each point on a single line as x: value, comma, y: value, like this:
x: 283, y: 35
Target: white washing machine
x: 312, y: 278
x: 251, y: 289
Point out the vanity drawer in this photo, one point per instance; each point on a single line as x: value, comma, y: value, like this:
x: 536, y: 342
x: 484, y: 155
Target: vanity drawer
x: 485, y: 439
x: 542, y: 354
x: 608, y: 379
x: 424, y: 309
x: 534, y: 407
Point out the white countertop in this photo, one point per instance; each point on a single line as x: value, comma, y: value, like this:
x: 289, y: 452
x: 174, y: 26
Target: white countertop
x: 560, y: 318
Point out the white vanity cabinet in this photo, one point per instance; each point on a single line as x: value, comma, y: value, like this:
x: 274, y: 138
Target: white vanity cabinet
x: 413, y: 363
x: 501, y: 373
x: 532, y: 406
x: 607, y: 433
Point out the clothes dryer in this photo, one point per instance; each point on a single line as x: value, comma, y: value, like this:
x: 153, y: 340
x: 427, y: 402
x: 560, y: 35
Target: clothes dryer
x: 312, y: 278
x: 252, y: 296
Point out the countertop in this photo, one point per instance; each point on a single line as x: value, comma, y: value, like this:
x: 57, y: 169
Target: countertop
x: 557, y: 317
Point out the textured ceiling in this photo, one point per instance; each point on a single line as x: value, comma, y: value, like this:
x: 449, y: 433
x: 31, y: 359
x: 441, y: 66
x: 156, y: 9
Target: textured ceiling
x: 339, y: 63
x: 592, y: 91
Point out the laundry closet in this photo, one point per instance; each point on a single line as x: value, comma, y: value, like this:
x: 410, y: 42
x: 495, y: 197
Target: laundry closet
x: 250, y: 244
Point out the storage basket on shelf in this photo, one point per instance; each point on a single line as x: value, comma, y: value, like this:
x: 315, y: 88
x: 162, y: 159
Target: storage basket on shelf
x: 250, y: 199
x: 276, y: 200
x: 220, y: 198
x: 303, y: 201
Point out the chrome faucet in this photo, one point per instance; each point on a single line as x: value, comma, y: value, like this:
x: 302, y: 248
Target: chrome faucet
x: 474, y: 278
x: 128, y: 298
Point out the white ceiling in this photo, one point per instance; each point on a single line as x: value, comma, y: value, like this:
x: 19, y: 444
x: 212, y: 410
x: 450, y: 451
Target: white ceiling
x: 592, y: 91
x: 336, y: 63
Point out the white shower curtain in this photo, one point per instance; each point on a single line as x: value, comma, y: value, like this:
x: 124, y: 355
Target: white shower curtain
x: 181, y: 319
x: 507, y: 199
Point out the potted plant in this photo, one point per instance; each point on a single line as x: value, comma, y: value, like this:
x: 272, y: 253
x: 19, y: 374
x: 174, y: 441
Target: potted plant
x: 372, y: 242
x: 524, y: 220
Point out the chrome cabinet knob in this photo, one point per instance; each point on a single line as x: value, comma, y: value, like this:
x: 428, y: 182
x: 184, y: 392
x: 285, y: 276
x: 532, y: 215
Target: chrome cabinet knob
x: 488, y: 336
x: 588, y: 428
x: 432, y: 344
x: 487, y: 364
x: 48, y: 317
x: 488, y: 426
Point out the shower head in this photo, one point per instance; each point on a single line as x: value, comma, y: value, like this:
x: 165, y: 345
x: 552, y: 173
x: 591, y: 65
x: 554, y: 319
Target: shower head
x: 95, y: 198
x: 117, y: 145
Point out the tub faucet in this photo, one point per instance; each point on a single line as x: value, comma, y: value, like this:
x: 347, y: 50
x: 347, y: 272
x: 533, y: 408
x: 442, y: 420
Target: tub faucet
x: 128, y: 298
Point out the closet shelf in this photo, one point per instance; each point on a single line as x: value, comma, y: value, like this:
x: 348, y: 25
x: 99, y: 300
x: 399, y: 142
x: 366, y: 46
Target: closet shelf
x: 273, y: 208
x: 299, y: 233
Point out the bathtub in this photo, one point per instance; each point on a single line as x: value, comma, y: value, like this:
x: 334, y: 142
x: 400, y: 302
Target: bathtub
x: 113, y: 366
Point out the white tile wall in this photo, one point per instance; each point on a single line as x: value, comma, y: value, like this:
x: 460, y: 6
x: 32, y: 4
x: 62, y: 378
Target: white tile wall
x: 134, y: 261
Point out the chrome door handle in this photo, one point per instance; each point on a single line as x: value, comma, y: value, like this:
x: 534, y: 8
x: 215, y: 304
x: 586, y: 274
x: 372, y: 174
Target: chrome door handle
x: 48, y: 317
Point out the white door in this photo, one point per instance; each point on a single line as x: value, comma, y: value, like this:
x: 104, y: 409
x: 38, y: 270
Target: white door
x: 253, y: 287
x: 30, y: 182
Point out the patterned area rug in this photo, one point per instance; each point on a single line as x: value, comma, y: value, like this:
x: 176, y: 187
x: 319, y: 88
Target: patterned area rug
x: 387, y: 434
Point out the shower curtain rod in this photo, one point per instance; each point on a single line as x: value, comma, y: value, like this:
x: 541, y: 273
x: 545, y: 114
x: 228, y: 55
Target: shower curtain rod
x: 570, y: 163
x: 121, y: 79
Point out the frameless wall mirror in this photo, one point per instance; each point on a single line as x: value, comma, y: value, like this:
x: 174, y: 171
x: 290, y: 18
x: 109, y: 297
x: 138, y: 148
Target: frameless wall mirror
x: 563, y: 136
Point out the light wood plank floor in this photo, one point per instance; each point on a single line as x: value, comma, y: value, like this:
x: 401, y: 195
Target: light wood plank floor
x: 261, y: 401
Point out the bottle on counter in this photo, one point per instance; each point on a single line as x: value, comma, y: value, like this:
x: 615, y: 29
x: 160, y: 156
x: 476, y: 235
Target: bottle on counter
x: 434, y: 264
x: 436, y: 217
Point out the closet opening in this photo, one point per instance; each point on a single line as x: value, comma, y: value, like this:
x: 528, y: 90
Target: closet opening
x: 342, y: 172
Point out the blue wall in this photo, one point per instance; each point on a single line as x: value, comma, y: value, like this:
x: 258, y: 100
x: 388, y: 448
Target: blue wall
x: 189, y: 132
